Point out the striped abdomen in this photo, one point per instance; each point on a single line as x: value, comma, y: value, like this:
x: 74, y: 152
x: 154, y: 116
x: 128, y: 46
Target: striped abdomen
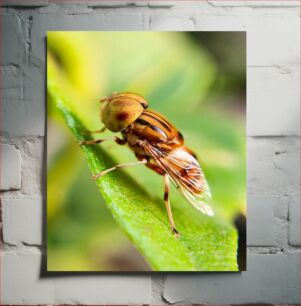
x: 153, y: 127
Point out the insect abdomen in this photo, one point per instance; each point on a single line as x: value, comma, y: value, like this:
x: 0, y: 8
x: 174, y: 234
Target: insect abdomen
x: 153, y: 126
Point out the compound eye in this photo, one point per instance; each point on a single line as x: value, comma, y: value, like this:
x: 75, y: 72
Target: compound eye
x: 133, y: 97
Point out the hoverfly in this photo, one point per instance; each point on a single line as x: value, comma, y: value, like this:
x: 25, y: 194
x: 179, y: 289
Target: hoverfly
x: 158, y: 145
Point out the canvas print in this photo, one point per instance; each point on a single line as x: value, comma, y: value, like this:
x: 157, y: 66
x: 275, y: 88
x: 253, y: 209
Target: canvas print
x: 146, y: 151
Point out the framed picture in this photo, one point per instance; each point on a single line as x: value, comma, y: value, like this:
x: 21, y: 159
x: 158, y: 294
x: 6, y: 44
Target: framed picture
x: 146, y: 151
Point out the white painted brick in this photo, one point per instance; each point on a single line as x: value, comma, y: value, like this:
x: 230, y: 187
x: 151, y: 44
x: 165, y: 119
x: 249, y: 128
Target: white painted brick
x: 141, y: 3
x: 118, y: 3
x: 250, y: 3
x: 11, y: 84
x: 24, y: 3
x: 170, y: 23
x: 22, y: 284
x: 92, y: 22
x: 10, y: 167
x: 23, y: 102
x: 272, y: 38
x: 160, y: 3
x: 260, y: 219
x: 157, y: 288
x: 268, y: 279
x: 21, y: 279
x: 273, y: 97
x: 22, y: 221
x: 273, y: 165
x: 33, y: 166
x: 121, y: 22
x: 108, y: 3
x: 12, y: 46
x: 114, y: 3
x: 66, y: 7
x: 132, y: 289
x: 294, y: 220
x: 34, y: 101
x: 12, y: 107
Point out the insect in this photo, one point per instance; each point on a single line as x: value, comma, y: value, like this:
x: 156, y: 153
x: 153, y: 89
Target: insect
x: 158, y: 145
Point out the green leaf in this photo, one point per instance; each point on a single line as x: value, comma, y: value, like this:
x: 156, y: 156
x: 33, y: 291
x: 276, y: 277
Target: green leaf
x: 205, y: 244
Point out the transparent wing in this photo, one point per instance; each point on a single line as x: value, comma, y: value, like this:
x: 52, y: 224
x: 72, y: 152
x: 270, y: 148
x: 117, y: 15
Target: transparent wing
x: 187, y: 175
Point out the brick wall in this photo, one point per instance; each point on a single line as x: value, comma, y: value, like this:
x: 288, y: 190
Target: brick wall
x: 273, y: 117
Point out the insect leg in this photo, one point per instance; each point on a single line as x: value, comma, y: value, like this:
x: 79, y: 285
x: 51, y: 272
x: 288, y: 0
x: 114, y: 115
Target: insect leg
x: 96, y: 141
x: 167, y: 205
x: 140, y: 162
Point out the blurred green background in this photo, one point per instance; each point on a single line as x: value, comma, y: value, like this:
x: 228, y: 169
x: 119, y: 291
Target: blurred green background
x: 196, y: 79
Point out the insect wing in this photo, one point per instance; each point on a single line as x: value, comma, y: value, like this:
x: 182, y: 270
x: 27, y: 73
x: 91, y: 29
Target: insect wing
x: 187, y: 175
